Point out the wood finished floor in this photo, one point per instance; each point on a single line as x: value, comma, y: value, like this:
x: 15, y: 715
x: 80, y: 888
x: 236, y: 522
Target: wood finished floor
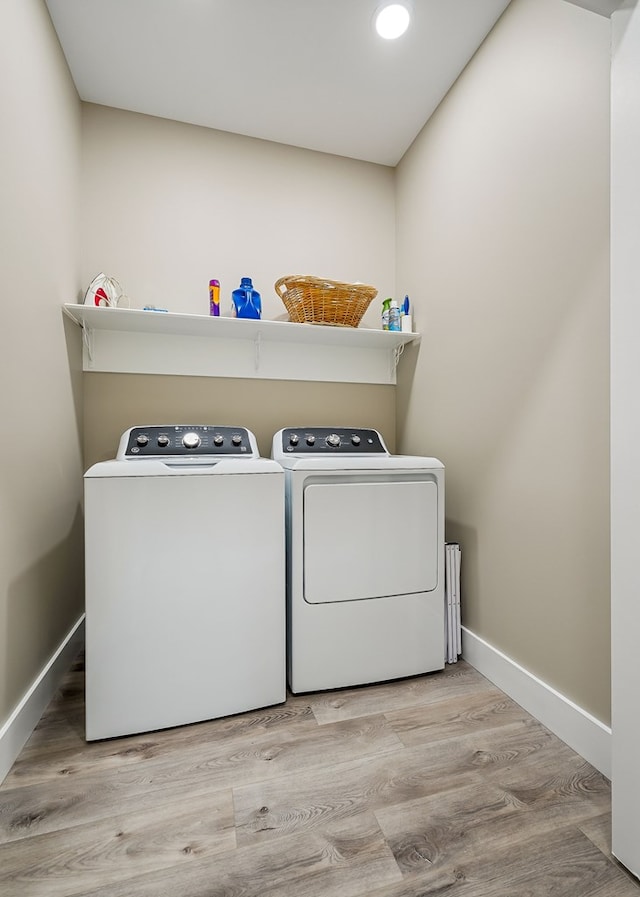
x: 437, y: 785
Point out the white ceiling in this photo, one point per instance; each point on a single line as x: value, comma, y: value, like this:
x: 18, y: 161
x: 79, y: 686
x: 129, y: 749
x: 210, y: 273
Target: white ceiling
x: 310, y: 73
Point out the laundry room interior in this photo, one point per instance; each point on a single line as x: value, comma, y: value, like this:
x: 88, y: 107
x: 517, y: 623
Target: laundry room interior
x: 495, y: 221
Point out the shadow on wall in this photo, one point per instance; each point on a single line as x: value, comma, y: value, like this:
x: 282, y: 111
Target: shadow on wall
x: 405, y: 376
x: 467, y: 538
x: 73, y: 340
x: 43, y: 603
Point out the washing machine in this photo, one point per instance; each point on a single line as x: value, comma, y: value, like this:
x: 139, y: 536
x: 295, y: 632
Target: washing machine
x: 365, y: 558
x: 185, y: 580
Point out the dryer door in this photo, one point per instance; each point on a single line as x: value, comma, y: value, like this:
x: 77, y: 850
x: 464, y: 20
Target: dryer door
x: 366, y: 539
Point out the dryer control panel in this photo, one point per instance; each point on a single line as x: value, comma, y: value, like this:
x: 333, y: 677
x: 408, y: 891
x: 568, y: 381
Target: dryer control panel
x: 328, y: 441
x: 183, y: 441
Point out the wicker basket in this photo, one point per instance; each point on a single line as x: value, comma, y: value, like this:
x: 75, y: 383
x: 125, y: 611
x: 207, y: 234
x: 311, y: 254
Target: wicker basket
x: 311, y: 300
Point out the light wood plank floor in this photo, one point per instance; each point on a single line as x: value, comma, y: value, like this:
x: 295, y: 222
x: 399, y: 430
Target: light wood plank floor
x: 434, y: 785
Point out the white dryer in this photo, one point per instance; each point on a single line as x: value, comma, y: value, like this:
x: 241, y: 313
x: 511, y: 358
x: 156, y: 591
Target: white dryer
x: 365, y: 559
x: 185, y: 580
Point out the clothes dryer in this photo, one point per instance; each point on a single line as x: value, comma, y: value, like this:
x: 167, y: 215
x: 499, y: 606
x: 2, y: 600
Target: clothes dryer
x: 185, y: 580
x: 365, y: 558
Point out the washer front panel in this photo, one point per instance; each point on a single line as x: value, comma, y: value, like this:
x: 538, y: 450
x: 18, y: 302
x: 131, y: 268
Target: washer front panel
x: 185, y: 597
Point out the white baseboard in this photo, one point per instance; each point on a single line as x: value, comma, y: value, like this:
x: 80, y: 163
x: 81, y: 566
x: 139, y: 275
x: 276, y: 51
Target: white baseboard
x: 19, y: 726
x: 577, y: 728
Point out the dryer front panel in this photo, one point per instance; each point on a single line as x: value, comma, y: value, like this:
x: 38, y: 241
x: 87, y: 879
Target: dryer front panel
x: 369, y: 538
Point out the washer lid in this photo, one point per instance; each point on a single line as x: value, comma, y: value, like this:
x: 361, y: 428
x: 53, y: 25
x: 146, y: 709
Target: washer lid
x: 153, y: 467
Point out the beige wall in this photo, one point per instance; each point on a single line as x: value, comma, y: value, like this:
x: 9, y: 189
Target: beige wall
x: 115, y: 402
x: 40, y: 518
x: 503, y: 245
x: 167, y: 206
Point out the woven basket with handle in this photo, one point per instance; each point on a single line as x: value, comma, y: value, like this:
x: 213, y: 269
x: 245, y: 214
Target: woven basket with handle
x: 312, y: 300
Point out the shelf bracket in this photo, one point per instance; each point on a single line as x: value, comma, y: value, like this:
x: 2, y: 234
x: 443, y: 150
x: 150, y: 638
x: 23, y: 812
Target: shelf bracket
x: 397, y: 352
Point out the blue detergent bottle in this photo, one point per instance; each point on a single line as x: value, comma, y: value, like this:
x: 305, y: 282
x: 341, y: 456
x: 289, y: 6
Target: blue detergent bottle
x: 246, y: 300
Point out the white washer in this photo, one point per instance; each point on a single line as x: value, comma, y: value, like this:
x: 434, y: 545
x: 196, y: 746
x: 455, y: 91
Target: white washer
x: 185, y: 580
x: 365, y: 559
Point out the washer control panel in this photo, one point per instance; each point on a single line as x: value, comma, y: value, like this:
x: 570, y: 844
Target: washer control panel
x: 184, y: 441
x: 328, y: 441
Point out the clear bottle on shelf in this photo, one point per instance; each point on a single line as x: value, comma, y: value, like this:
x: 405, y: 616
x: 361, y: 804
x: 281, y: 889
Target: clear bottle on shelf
x: 394, y: 316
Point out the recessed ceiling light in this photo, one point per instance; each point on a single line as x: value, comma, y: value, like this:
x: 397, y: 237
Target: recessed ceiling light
x: 392, y: 20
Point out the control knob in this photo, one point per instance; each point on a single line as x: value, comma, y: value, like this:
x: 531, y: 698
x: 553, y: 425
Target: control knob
x: 333, y: 440
x: 311, y: 440
x: 236, y: 439
x: 142, y: 439
x: 294, y: 439
x: 191, y: 440
x: 163, y: 441
x: 355, y: 440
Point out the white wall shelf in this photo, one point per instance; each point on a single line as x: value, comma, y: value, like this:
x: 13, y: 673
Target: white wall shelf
x: 127, y: 340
